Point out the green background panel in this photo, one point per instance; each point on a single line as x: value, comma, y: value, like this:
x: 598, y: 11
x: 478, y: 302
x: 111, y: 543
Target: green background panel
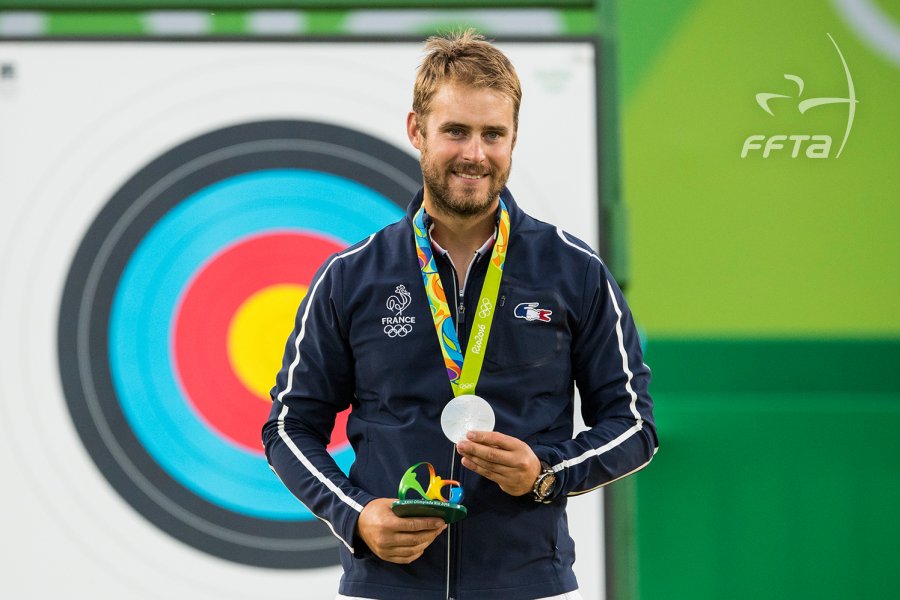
x: 780, y: 365
x: 768, y: 289
x: 760, y: 247
x: 771, y: 495
x: 646, y: 29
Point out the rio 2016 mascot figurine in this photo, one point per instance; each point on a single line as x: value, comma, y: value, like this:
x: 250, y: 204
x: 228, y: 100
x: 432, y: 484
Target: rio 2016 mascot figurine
x: 432, y: 502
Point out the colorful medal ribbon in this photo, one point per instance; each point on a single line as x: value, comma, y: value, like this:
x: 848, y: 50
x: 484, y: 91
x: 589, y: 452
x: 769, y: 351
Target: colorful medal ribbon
x: 462, y: 371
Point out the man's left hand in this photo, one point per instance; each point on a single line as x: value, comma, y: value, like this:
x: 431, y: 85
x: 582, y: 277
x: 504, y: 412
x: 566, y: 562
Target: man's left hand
x: 505, y: 460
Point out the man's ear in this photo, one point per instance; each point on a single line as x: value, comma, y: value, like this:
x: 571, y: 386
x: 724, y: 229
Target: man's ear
x: 414, y: 130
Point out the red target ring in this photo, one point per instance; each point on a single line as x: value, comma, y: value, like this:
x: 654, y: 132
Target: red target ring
x: 154, y: 318
x: 208, y: 372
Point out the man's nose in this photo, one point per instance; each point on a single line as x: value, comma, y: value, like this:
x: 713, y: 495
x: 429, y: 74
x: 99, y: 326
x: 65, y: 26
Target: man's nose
x: 474, y: 150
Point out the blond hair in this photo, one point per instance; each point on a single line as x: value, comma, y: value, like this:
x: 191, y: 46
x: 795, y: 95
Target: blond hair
x: 464, y: 57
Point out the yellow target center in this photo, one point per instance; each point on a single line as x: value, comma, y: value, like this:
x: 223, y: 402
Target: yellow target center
x: 258, y: 332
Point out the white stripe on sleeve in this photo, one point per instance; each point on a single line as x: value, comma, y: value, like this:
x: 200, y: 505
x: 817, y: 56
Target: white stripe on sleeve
x: 620, y: 338
x: 290, y: 380
x: 309, y: 302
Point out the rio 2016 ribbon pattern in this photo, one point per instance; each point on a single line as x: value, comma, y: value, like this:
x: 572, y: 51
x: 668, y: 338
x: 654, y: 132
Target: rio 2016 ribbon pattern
x: 431, y: 503
x: 463, y: 371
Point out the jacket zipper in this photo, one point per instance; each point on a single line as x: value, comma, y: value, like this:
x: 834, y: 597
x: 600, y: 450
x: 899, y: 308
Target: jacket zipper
x: 460, y: 305
x: 459, y: 294
x: 460, y: 317
x: 450, y: 530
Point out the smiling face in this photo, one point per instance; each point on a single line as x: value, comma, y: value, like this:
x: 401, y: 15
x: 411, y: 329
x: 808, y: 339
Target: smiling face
x: 466, y: 141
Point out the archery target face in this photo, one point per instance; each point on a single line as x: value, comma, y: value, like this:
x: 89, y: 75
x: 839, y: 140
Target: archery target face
x: 184, y: 280
x: 167, y: 206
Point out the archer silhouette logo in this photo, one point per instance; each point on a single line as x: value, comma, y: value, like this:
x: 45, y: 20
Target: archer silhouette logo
x: 815, y: 146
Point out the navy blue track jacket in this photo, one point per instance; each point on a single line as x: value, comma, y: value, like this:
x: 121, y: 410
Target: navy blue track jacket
x: 348, y: 348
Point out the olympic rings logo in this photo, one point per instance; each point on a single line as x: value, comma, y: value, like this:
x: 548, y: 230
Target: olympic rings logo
x: 397, y: 330
x: 486, y: 308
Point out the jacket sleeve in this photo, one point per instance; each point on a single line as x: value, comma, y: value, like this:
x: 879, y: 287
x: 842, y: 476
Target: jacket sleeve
x: 612, y: 380
x: 314, y: 384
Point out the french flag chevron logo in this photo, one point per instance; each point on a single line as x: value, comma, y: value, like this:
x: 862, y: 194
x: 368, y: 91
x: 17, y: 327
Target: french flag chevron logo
x: 530, y: 312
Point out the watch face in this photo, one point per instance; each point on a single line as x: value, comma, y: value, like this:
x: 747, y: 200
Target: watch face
x: 546, y: 485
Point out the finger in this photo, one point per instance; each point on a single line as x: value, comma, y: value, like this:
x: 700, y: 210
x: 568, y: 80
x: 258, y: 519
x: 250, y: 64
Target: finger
x: 473, y: 466
x: 488, y: 462
x: 489, y: 456
x: 493, y: 438
x: 492, y: 471
x: 503, y: 468
x: 404, y: 548
x: 407, y: 541
x: 407, y: 537
x: 413, y: 524
x: 512, y: 481
x: 404, y: 555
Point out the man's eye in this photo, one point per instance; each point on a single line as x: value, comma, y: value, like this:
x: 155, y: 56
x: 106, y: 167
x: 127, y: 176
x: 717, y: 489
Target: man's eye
x: 455, y: 132
x: 493, y: 135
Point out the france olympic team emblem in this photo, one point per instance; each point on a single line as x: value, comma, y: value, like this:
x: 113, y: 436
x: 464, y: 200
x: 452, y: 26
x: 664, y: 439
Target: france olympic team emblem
x: 176, y: 310
x: 398, y: 326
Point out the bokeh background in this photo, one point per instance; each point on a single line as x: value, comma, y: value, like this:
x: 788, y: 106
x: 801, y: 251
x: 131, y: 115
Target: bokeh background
x: 766, y: 287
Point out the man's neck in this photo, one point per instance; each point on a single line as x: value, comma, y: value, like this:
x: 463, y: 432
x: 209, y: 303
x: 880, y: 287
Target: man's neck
x: 461, y: 236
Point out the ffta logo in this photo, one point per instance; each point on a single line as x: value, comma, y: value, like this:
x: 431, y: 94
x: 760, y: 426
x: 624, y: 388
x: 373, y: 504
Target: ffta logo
x: 818, y: 146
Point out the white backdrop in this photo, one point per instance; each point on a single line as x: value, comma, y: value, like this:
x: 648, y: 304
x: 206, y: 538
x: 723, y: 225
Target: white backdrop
x: 77, y: 120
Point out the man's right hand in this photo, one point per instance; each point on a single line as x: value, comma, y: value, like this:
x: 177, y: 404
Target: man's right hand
x: 396, y: 539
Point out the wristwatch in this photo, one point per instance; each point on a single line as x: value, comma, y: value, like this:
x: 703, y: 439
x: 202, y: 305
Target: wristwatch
x: 544, y: 484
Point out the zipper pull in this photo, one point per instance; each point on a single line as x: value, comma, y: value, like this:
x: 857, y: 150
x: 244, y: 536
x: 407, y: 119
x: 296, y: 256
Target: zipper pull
x: 461, y: 310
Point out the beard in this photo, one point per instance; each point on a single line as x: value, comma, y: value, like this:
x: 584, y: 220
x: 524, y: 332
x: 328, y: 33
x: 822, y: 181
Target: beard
x: 462, y: 203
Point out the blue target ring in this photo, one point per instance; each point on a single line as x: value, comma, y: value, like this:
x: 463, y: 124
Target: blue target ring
x: 156, y: 277
x: 143, y: 255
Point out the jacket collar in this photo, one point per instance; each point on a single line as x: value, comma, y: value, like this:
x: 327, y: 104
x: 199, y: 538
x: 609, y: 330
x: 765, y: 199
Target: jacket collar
x: 515, y: 213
